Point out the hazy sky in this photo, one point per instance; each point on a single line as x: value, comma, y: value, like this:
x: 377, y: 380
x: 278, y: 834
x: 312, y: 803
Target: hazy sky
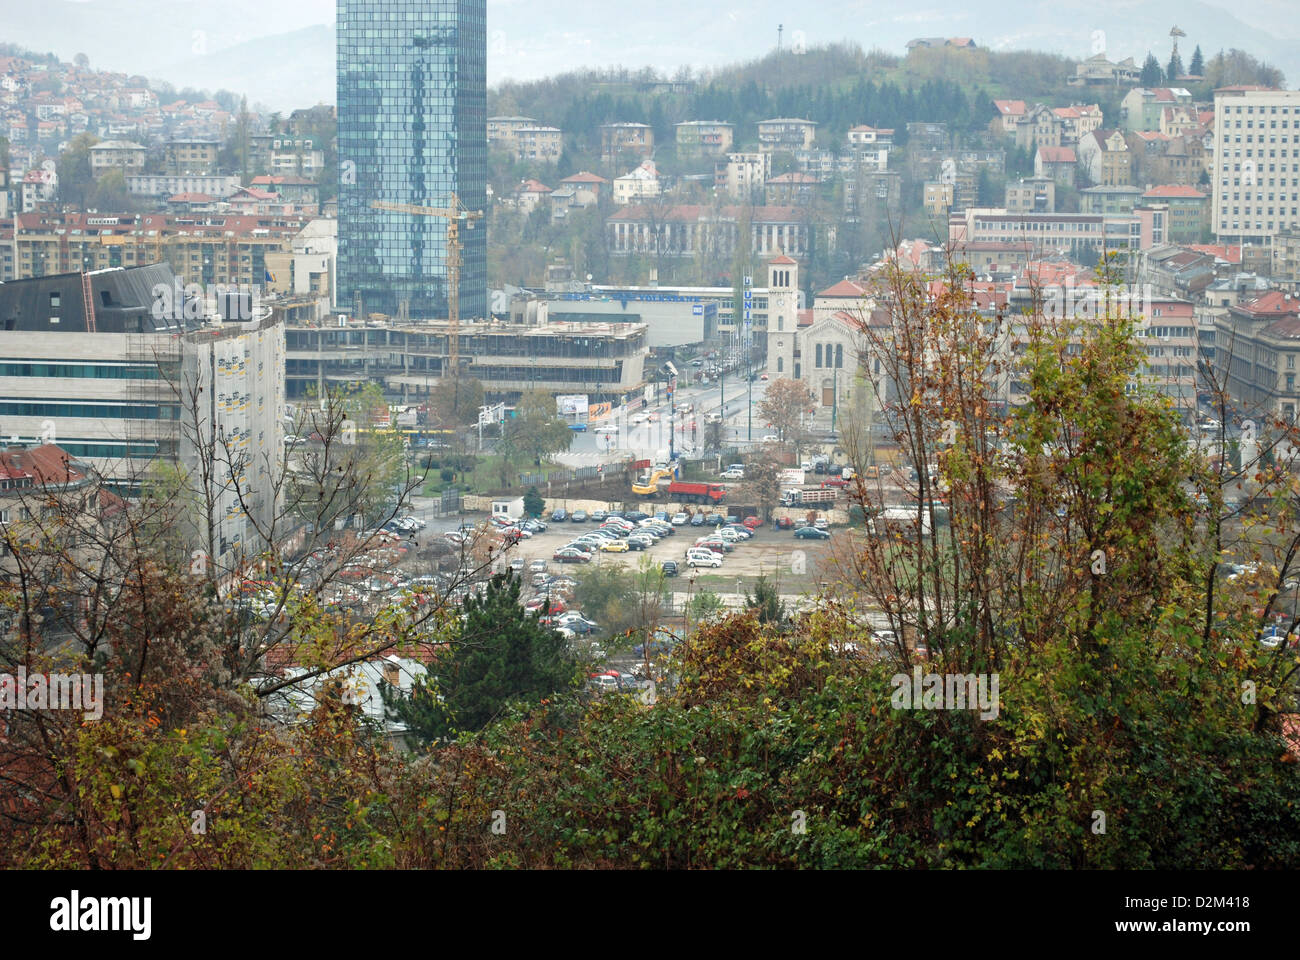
x: 528, y: 39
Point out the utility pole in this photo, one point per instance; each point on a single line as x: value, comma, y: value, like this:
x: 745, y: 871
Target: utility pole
x: 749, y: 375
x: 749, y: 294
x: 835, y: 398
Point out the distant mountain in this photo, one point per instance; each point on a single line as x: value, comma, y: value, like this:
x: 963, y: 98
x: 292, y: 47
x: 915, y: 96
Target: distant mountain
x: 282, y: 53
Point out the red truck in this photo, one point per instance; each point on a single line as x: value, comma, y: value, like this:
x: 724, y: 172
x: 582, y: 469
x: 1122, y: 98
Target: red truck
x: 696, y: 492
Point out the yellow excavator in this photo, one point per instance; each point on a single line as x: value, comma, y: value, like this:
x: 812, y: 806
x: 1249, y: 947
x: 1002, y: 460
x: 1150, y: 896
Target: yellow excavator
x: 651, y: 486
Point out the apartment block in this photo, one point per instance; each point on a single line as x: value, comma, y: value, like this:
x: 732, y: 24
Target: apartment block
x: 786, y: 134
x: 1256, y: 171
x: 626, y: 140
x: 704, y: 138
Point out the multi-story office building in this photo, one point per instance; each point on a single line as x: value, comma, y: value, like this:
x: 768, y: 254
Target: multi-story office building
x: 1256, y: 174
x: 1069, y: 233
x: 103, y: 366
x: 412, y: 129
x: 603, y: 360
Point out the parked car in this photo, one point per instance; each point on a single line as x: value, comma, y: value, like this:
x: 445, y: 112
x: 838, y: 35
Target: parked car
x: 579, y: 516
x: 559, y: 515
x: 578, y: 427
x: 771, y: 438
x: 661, y: 515
x: 615, y: 546
x: 697, y: 520
x: 570, y: 555
x: 821, y: 523
x: 752, y: 523
x: 811, y: 533
x: 638, y: 542
x: 782, y: 523
x: 732, y: 475
x: 635, y: 516
x: 654, y: 647
x: 537, y: 566
x: 703, y: 558
x: 669, y: 568
x: 598, y: 516
x: 679, y: 519
x: 838, y: 483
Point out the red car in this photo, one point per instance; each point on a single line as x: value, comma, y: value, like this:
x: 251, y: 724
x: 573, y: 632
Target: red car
x: 835, y: 482
x: 753, y: 523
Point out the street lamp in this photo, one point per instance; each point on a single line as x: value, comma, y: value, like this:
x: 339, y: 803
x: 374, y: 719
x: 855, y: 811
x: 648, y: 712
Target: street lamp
x: 690, y: 590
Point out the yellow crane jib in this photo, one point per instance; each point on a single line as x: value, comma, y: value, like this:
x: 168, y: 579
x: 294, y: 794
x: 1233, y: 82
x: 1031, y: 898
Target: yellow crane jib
x: 453, y: 213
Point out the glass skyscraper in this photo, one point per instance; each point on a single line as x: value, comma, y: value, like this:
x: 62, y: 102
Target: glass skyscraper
x: 412, y: 129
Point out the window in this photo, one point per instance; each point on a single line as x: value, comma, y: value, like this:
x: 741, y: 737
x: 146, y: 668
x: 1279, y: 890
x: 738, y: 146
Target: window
x: 839, y: 355
x: 819, y: 355
x: 780, y: 364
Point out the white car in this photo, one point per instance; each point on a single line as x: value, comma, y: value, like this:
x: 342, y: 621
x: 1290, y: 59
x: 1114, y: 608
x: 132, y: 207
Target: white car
x: 732, y: 474
x: 703, y: 558
x: 680, y: 520
x: 771, y: 438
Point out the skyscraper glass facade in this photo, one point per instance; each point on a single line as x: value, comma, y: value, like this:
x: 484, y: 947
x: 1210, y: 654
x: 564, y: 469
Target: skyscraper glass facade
x: 412, y: 129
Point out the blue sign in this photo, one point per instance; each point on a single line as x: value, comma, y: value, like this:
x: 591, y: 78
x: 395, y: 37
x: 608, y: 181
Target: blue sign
x: 747, y: 317
x: 698, y: 310
x: 749, y: 294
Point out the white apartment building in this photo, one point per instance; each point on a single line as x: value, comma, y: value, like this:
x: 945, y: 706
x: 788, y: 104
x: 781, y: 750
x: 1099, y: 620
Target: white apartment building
x: 742, y: 175
x: 1256, y: 171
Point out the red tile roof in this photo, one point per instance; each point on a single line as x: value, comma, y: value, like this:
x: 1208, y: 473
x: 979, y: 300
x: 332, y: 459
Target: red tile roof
x: 1013, y: 108
x: 584, y: 177
x: 783, y: 261
x: 1172, y: 190
x: 845, y: 288
x: 1057, y: 154
x: 1227, y: 253
x: 1275, y: 303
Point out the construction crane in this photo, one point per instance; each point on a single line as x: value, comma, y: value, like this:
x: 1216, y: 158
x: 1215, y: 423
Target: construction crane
x: 453, y: 213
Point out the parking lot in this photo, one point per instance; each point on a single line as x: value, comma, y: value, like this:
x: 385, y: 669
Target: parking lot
x: 769, y: 552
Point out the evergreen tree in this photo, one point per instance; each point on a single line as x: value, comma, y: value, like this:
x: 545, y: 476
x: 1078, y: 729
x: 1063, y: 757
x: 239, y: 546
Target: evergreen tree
x: 765, y: 601
x: 501, y: 654
x: 1152, y: 75
x: 533, y: 503
x: 1175, y: 68
x: 1197, y: 68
